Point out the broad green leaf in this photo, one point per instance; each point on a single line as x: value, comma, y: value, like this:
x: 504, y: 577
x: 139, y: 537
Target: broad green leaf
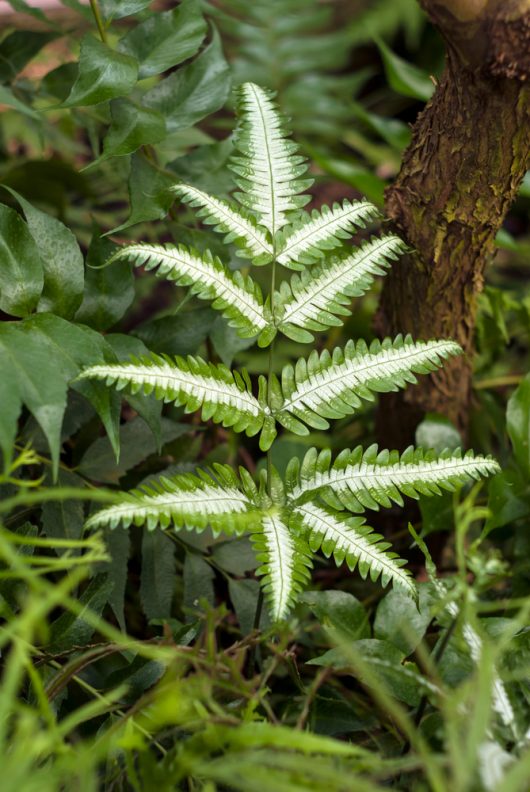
x: 401, y: 621
x: 21, y: 273
x: 244, y: 595
x: 226, y: 341
x: 39, y: 357
x: 118, y: 9
x: 25, y: 8
x: 438, y: 433
x: 149, y: 193
x: 64, y: 519
x: 165, y: 39
x: 17, y: 49
x: 405, y: 78
x: 235, y: 556
x: 136, y: 444
x: 109, y: 291
x: 118, y: 545
x: 198, y: 585
x: 518, y: 424
x: 132, y: 126
x: 70, y: 630
x: 159, y: 576
x: 62, y: 261
x: 339, y: 612
x: 103, y: 74
x: 194, y: 91
x: 177, y: 335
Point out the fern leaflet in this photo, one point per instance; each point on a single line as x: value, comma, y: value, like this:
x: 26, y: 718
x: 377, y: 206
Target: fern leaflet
x: 236, y: 296
x: 349, y: 539
x: 332, y: 385
x: 239, y: 227
x: 224, y: 396
x: 268, y: 169
x: 311, y: 236
x: 285, y: 563
x: 215, y: 498
x: 312, y: 300
x: 359, y: 480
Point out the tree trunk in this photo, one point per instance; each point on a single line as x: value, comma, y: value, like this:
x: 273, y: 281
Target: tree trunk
x: 469, y: 153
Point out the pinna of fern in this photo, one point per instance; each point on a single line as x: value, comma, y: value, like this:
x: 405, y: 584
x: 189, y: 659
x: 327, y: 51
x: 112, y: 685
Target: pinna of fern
x: 319, y: 505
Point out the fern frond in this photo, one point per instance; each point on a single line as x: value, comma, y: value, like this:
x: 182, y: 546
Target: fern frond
x: 215, y: 498
x: 237, y: 297
x: 222, y: 395
x: 312, y: 300
x: 359, y: 479
x: 285, y: 563
x: 239, y: 227
x: 268, y: 169
x: 332, y: 385
x: 349, y: 539
x: 311, y: 236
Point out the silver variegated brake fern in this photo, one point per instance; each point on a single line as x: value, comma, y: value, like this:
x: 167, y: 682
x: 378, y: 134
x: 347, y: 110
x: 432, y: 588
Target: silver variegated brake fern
x: 319, y: 505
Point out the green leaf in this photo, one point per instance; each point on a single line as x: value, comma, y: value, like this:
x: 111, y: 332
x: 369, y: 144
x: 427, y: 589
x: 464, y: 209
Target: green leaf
x: 18, y: 48
x: 438, y: 433
x: 7, y: 97
x: 21, y: 274
x: 226, y: 341
x: 118, y: 9
x: 39, y: 357
x: 518, y: 424
x: 149, y: 193
x: 103, y: 74
x: 62, y: 261
x: 165, y: 39
x: 118, y: 545
x: 339, y: 612
x: 136, y: 444
x: 64, y: 519
x: 177, y: 335
x: 159, y: 576
x: 198, y: 585
x: 194, y: 91
x: 109, y: 291
x: 235, y: 556
x: 69, y: 630
x: 132, y: 126
x: 401, y: 621
x: 244, y: 595
x: 405, y: 78
x: 24, y: 8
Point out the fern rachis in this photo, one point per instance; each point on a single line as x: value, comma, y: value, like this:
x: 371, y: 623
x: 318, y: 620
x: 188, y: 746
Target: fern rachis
x: 312, y: 510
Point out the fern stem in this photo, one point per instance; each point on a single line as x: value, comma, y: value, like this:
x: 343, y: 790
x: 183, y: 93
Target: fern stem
x: 94, y: 5
x: 271, y: 367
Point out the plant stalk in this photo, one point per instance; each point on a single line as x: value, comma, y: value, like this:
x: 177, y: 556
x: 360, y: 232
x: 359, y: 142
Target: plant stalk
x: 96, y: 11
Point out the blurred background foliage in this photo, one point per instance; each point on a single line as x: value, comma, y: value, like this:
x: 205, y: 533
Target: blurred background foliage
x: 129, y: 660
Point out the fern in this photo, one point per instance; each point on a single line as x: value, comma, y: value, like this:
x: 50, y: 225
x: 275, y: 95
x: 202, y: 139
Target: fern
x: 311, y: 511
x: 237, y: 297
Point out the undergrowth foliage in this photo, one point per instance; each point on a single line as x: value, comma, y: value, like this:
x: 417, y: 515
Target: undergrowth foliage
x: 319, y: 505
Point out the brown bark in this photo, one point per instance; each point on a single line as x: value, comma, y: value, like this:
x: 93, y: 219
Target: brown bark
x: 469, y: 153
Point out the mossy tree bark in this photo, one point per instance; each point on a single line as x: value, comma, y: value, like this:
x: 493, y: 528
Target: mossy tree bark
x: 469, y: 153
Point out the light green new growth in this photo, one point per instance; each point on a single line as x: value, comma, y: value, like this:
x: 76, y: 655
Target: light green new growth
x: 311, y: 511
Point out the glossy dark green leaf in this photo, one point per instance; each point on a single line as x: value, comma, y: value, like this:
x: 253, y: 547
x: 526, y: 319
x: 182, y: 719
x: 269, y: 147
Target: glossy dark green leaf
x: 118, y: 545
x: 39, y: 357
x: 226, y: 341
x: 198, y: 585
x: 194, y: 91
x: 70, y: 630
x: 438, y: 433
x: 244, y: 595
x: 149, y: 193
x: 58, y: 82
x: 109, y: 291
x: 235, y: 556
x: 103, y: 74
x: 132, y: 126
x: 402, y: 623
x: 7, y: 97
x: 136, y: 444
x: 64, y: 519
x: 158, y: 577
x: 62, y: 261
x: 21, y: 273
x: 339, y: 612
x: 118, y: 9
x: 18, y: 48
x: 177, y: 335
x: 518, y: 424
x: 405, y: 78
x: 165, y: 39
